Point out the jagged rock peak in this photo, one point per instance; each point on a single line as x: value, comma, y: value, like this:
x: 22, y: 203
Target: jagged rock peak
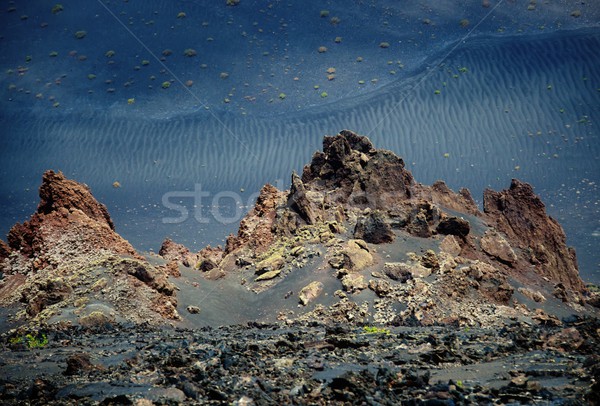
x: 67, y: 210
x: 57, y: 192
x: 359, y: 174
x: 520, y: 214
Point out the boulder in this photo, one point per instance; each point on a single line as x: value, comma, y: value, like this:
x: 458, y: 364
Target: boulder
x: 374, y: 229
x: 354, y: 282
x: 398, y: 271
x: 453, y: 226
x: 310, y: 292
x: 356, y: 255
x: 450, y: 245
x: 380, y: 287
x: 496, y: 245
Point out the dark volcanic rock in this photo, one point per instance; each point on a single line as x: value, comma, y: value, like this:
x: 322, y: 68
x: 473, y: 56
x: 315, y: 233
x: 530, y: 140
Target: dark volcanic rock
x: 359, y: 175
x: 373, y: 228
x: 77, y: 363
x: 453, y: 226
x: 299, y: 201
x: 521, y: 215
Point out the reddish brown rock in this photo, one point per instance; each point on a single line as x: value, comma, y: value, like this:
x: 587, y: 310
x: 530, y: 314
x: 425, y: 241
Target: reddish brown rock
x: 521, y: 216
x: 4, y: 251
x: 172, y: 251
x: 68, y: 254
x: 255, y: 228
x: 67, y: 215
x: 58, y: 192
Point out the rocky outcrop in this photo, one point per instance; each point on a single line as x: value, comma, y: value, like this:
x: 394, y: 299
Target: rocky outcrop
x: 520, y: 214
x: 67, y: 214
x: 255, y: 231
x: 355, y: 205
x: 172, y: 251
x: 68, y: 254
x: 354, y: 173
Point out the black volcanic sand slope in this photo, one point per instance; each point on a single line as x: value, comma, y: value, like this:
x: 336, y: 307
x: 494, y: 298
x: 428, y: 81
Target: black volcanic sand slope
x: 304, y: 364
x: 524, y: 107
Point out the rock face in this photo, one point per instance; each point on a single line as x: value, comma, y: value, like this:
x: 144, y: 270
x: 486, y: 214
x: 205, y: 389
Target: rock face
x: 520, y: 214
x: 70, y: 242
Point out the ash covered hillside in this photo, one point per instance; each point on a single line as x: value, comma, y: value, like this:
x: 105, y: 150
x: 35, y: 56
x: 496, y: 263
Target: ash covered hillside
x: 354, y: 239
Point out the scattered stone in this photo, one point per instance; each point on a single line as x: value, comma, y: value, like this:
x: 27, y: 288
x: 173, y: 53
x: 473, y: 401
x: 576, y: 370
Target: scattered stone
x: 310, y: 292
x: 497, y: 246
x: 534, y: 295
x: 193, y: 309
x: 353, y: 283
x: 381, y: 288
x: 269, y: 275
x: 430, y: 260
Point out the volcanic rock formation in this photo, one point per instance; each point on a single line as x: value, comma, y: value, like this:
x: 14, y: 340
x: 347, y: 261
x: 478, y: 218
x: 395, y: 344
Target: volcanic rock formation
x: 355, y: 238
x: 354, y: 203
x: 68, y: 256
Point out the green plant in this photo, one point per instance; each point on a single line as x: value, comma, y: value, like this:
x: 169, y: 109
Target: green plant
x: 80, y: 34
x: 30, y: 340
x: 57, y: 8
x: 376, y: 330
x: 166, y: 84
